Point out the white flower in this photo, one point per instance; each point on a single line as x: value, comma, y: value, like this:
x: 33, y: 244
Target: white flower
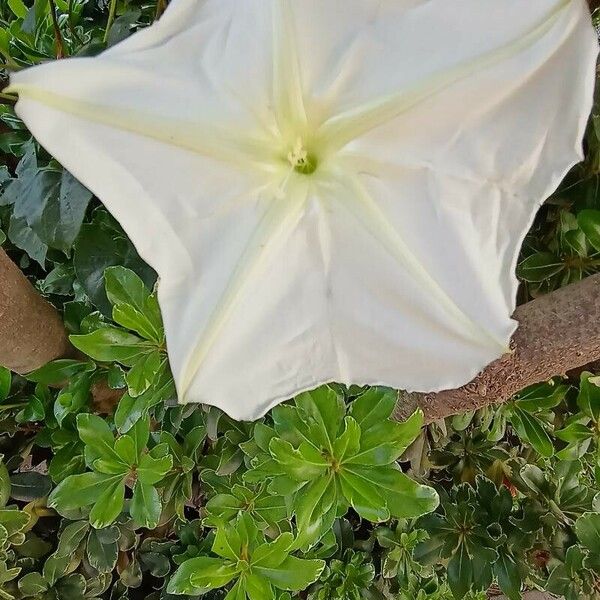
x: 330, y: 190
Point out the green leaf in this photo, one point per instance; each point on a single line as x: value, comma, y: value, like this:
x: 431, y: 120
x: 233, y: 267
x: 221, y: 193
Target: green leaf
x: 32, y: 584
x: 530, y: 429
x: 5, y: 383
x: 67, y: 461
x: 323, y: 410
x: 59, y: 371
x: 109, y: 504
x: 198, y: 575
x: 460, y: 572
x: 101, y: 245
x: 97, y: 436
x: 293, y: 574
x: 152, y: 470
x: 539, y: 267
x: 74, y: 397
x: 273, y: 553
x: 110, y: 344
x: 130, y: 410
x: 59, y: 281
x: 71, y: 537
x: 588, y: 398
x: 18, y: 8
x: 575, y: 432
x: 347, y: 444
x: 589, y: 222
x: 228, y: 543
x: 143, y: 373
x: 145, y: 507
x: 384, y: 442
x: 53, y: 203
x: 134, y: 307
x: 404, y: 497
x: 4, y: 484
x: 366, y: 500
x: 71, y: 586
x: 303, y: 464
x: 30, y: 486
x: 80, y: 490
x: 258, y: 588
x: 140, y: 434
x: 509, y: 579
x: 122, y: 26
x: 33, y: 411
x: 238, y: 591
x: 102, y: 549
x: 587, y: 528
x: 542, y: 396
x: 25, y: 238
x: 315, y: 508
x: 125, y: 449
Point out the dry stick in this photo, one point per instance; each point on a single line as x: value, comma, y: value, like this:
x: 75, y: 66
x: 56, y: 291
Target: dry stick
x: 31, y: 330
x: 557, y: 333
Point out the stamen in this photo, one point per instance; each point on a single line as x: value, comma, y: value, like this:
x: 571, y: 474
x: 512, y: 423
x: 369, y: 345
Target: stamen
x: 301, y: 160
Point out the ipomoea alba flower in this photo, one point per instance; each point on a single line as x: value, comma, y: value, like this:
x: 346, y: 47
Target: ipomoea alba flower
x: 330, y: 190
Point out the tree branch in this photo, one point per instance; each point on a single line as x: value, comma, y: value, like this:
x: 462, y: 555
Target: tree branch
x: 557, y: 333
x: 532, y: 595
x: 31, y: 330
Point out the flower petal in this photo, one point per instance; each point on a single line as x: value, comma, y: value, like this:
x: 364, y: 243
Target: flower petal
x: 422, y: 134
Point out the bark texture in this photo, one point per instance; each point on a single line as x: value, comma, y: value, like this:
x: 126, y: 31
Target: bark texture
x: 31, y: 330
x: 557, y: 333
x: 534, y: 595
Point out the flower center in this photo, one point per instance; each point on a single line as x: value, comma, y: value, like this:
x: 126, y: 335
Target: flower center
x: 301, y: 160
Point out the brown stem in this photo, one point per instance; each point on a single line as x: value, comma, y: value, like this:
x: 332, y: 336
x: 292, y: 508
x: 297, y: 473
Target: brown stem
x: 60, y: 47
x: 557, y: 333
x: 31, y: 330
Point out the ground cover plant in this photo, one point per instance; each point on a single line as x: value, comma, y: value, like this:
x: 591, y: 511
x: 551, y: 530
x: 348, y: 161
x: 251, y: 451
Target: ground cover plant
x: 109, y: 489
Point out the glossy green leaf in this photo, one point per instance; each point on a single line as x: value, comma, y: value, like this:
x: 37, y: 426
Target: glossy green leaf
x: 293, y: 574
x: 101, y: 245
x: 5, y: 383
x: 102, y: 550
x: 143, y: 373
x: 201, y: 574
x: 80, y: 490
x: 97, y: 437
x: 588, y: 531
x: 403, y: 497
x: 59, y: 371
x: 540, y: 266
x: 134, y: 307
x: 589, y: 221
x: 589, y: 395
x: 5, y: 485
x: 109, y: 503
x: 530, y: 429
x: 145, y: 505
x: 110, y: 344
x: 29, y: 486
x: 507, y: 572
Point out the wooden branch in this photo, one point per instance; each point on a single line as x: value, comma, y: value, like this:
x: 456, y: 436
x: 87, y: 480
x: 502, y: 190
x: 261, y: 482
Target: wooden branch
x: 557, y: 333
x: 532, y: 595
x: 31, y: 330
